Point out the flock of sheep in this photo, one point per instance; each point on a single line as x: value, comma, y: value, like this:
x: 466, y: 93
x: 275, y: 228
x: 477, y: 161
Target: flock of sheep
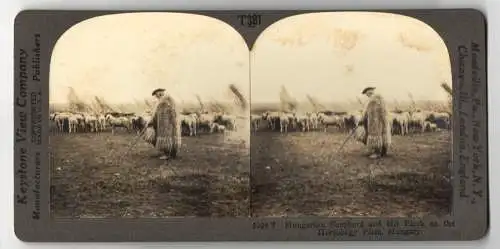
x: 191, y: 123
x: 403, y: 122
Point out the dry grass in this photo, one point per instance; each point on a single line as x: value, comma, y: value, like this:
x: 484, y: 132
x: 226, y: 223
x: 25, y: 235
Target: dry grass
x: 210, y: 178
x: 300, y: 174
x: 353, y: 106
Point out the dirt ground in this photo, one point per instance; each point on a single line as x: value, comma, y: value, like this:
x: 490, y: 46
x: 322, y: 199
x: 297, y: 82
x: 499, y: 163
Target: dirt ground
x: 297, y: 174
x: 98, y: 176
x: 301, y: 174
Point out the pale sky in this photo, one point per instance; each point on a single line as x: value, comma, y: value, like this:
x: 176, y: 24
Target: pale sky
x: 123, y: 57
x: 330, y: 56
x: 333, y: 56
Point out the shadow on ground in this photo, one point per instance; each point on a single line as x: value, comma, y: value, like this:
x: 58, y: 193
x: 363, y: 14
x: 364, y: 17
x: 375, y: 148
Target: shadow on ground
x: 300, y: 174
x: 92, y: 176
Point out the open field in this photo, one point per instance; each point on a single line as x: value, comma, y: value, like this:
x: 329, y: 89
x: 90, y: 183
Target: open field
x: 301, y: 174
x: 294, y: 174
x: 210, y: 177
x: 353, y: 105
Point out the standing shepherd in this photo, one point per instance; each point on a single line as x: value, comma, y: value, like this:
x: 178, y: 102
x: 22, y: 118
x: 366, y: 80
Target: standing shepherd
x: 164, y: 131
x: 375, y: 121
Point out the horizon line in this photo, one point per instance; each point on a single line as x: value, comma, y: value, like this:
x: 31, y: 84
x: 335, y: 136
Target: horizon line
x: 266, y: 102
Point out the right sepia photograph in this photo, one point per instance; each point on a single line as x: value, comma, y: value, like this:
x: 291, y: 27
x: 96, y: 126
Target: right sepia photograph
x: 351, y: 117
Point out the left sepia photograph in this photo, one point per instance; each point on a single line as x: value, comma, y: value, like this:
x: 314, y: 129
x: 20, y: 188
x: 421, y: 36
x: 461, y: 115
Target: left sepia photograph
x: 149, y: 118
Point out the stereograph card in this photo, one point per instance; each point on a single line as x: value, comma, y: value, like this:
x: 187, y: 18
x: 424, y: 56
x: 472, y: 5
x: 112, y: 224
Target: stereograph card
x: 250, y: 125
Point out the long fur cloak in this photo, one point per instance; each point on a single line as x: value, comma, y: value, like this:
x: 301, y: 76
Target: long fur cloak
x: 165, y: 130
x: 376, y: 124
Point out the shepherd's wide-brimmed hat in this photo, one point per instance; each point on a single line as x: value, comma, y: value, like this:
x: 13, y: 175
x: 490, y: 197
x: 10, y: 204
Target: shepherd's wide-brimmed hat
x: 367, y: 89
x: 157, y: 90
